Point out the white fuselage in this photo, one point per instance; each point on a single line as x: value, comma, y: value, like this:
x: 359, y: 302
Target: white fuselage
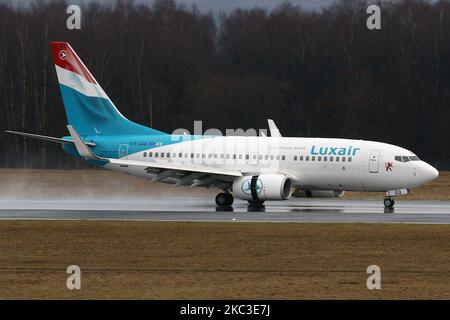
x: 313, y: 163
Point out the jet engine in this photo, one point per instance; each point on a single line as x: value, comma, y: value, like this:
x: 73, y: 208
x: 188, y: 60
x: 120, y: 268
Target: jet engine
x: 270, y: 186
x: 301, y: 193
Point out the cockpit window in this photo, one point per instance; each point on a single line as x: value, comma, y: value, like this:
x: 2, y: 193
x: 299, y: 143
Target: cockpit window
x: 406, y: 158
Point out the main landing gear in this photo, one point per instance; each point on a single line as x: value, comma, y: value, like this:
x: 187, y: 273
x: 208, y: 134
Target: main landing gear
x: 389, y: 203
x: 224, y: 199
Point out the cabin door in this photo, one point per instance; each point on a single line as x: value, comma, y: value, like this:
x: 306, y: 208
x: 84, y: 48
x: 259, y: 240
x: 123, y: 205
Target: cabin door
x: 374, y: 161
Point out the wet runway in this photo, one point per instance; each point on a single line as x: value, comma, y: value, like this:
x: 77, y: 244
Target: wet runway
x: 202, y: 209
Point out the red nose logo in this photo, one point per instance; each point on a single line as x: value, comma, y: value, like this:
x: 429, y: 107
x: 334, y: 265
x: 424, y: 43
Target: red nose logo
x: 63, y: 54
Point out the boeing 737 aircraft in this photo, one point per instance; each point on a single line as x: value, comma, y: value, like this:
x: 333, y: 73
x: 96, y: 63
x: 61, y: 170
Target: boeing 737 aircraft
x: 252, y: 168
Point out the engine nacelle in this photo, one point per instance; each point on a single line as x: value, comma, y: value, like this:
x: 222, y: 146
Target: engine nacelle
x: 270, y: 186
x: 300, y: 193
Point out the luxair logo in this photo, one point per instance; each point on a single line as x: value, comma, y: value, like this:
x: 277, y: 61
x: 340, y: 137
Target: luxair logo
x: 334, y: 151
x: 247, y: 186
x: 63, y: 54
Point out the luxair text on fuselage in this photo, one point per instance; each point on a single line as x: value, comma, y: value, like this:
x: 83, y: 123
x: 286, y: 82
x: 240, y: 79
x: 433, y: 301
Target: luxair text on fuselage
x: 334, y: 151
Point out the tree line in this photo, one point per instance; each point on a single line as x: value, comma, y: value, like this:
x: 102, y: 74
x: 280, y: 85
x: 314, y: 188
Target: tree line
x: 317, y: 74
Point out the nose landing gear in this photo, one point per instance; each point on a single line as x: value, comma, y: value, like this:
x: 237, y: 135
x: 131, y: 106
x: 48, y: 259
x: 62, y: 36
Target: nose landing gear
x: 388, y: 203
x: 389, y: 200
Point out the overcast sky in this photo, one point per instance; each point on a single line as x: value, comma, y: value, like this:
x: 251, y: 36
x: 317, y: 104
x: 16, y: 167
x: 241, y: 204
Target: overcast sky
x: 218, y: 6
x: 228, y: 5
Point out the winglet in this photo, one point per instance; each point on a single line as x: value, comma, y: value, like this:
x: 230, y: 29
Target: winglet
x: 81, y: 146
x: 274, y: 132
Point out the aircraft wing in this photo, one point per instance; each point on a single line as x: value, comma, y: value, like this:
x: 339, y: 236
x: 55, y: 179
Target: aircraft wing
x: 186, y: 174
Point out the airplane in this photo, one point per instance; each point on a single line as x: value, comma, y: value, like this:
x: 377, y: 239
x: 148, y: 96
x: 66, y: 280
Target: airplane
x: 251, y: 168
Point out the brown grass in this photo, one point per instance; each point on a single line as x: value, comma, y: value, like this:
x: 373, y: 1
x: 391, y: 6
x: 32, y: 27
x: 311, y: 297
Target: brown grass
x: 162, y: 260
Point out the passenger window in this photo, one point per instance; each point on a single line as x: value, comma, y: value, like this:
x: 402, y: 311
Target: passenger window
x: 301, y: 158
x: 278, y: 157
x: 240, y: 156
x: 337, y: 159
x: 331, y: 158
x: 260, y: 157
x: 349, y: 159
x: 254, y: 157
x: 221, y: 156
x: 174, y: 155
x: 150, y: 154
x: 145, y: 154
x: 343, y: 159
x: 210, y: 156
x: 307, y: 158
x: 180, y: 155
x: 156, y: 154
x: 162, y: 154
x: 295, y: 158
x: 168, y: 155
x: 234, y: 156
x: 247, y: 157
x: 325, y: 158
x: 319, y: 158
x: 313, y: 158
x: 271, y: 157
x: 266, y: 157
x: 228, y: 156
x: 203, y: 155
x: 283, y: 157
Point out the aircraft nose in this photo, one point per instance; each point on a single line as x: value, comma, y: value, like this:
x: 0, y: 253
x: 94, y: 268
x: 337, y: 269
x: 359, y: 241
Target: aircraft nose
x: 429, y: 172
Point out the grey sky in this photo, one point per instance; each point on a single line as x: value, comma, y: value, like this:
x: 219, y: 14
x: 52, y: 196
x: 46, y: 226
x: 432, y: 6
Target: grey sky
x: 218, y: 6
x: 228, y: 5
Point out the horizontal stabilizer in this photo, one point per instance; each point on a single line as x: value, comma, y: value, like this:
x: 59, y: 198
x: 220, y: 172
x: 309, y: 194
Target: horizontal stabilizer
x: 46, y: 138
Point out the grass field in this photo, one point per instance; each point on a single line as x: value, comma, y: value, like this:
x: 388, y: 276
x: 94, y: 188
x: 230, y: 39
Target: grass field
x: 222, y: 260
x: 168, y: 260
x: 102, y: 183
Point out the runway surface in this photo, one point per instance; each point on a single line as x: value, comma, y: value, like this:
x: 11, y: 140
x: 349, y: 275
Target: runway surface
x: 202, y: 209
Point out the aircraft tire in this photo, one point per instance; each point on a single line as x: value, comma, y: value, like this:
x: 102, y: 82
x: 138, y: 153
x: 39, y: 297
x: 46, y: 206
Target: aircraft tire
x: 389, y: 202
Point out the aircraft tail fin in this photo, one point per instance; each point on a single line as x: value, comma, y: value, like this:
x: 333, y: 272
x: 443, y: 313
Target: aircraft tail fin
x: 88, y: 107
